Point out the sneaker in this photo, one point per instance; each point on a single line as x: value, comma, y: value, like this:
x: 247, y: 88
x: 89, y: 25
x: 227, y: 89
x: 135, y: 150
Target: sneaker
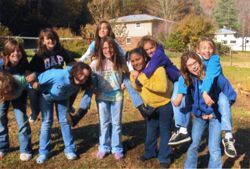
x: 100, y: 155
x: 32, y: 119
x: 229, y: 147
x: 118, y: 156
x: 164, y: 165
x: 143, y: 158
x: 41, y: 159
x: 71, y: 156
x: 25, y: 156
x: 179, y: 138
x: 1, y: 155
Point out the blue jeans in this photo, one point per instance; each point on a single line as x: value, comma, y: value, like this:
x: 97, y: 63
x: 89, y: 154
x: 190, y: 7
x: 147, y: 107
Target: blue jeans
x: 110, y: 111
x: 224, y: 108
x: 214, y: 140
x: 159, y: 123
x: 181, y: 118
x: 24, y: 132
x: 47, y: 121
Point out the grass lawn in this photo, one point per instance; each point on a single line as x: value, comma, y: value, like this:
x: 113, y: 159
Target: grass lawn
x: 86, y: 137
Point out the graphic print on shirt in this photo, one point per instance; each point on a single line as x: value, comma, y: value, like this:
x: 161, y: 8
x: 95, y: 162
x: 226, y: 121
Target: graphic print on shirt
x: 53, y: 61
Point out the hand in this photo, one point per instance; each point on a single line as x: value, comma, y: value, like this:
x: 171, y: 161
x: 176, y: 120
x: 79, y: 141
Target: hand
x: 207, y: 99
x: 178, y: 100
x: 123, y: 86
x: 35, y: 85
x: 31, y: 77
x: 135, y: 74
x: 204, y: 117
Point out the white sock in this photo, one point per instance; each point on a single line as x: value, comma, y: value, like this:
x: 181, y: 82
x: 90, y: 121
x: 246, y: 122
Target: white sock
x: 228, y: 135
x: 183, y: 130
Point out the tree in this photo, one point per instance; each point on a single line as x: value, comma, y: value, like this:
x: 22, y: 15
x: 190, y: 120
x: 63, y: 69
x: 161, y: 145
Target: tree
x: 225, y: 14
x: 188, y: 31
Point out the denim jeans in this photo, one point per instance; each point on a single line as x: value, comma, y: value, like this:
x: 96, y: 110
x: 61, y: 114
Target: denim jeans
x: 47, y: 121
x: 159, y: 123
x: 181, y: 115
x: 214, y: 140
x: 24, y: 132
x: 110, y: 111
x: 224, y: 108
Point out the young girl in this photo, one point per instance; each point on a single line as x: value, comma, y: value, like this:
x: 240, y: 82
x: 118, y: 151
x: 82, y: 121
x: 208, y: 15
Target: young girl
x: 159, y: 58
x: 15, y: 62
x: 155, y: 92
x: 206, y: 50
x: 104, y: 29
x: 109, y: 68
x: 56, y: 86
x: 50, y: 54
x: 193, y: 73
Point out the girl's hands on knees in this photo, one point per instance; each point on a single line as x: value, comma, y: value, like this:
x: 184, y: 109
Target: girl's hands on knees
x: 207, y: 99
x: 35, y: 85
x: 178, y: 100
x: 31, y: 77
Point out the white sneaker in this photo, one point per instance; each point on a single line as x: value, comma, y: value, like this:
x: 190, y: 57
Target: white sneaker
x: 25, y: 156
x: 31, y: 120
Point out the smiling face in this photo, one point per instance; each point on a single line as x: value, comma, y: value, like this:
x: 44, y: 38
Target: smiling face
x: 15, y: 56
x: 205, y: 49
x: 103, y: 31
x: 49, y: 43
x: 81, y: 77
x: 137, y: 61
x: 149, y: 48
x: 108, y: 50
x: 193, y: 66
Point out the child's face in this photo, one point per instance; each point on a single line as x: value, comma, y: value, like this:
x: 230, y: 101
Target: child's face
x: 137, y: 61
x: 49, y: 43
x: 107, y: 50
x: 205, y: 49
x: 15, y: 56
x: 103, y: 30
x: 82, y: 77
x: 193, y: 66
x: 149, y: 48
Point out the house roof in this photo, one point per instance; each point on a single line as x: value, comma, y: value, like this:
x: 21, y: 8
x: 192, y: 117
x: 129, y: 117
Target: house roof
x: 225, y: 31
x: 137, y: 18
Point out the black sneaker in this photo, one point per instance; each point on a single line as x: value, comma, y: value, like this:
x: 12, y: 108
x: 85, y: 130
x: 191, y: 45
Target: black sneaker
x: 74, y: 119
x: 143, y: 158
x: 179, y: 138
x: 164, y: 165
x: 229, y: 147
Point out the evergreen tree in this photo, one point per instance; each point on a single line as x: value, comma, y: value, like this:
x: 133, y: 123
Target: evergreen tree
x: 225, y: 14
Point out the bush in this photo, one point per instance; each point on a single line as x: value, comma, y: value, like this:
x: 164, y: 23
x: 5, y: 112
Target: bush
x: 222, y: 49
x: 4, y: 31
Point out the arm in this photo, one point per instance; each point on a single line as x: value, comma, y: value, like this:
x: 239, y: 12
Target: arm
x: 133, y: 83
x: 157, y: 82
x: 90, y: 51
x: 182, y: 88
x: 213, y: 69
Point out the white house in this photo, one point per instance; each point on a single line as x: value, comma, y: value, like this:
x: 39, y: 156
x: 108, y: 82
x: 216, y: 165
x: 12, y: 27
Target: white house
x: 227, y: 37
x: 129, y: 29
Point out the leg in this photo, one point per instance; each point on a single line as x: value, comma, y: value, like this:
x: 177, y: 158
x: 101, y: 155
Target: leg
x: 4, y: 136
x: 34, y: 104
x: 62, y: 110
x: 116, y: 115
x: 214, y: 144
x: 24, y: 132
x: 165, y: 115
x: 104, y: 118
x: 199, y: 126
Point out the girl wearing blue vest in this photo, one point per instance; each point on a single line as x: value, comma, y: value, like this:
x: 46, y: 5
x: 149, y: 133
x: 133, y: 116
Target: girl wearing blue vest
x: 159, y: 58
x: 56, y: 86
x: 206, y: 50
x: 16, y: 63
x: 104, y: 29
x: 193, y: 73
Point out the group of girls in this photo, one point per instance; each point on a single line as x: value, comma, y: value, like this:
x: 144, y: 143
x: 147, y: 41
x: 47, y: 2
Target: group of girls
x: 155, y: 85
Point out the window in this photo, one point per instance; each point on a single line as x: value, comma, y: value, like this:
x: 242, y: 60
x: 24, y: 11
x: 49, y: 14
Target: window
x: 128, y: 40
x: 138, y: 25
x: 224, y: 41
x: 232, y: 41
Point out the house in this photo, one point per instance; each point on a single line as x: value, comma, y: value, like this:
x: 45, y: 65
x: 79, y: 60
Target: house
x: 130, y: 29
x: 228, y: 37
